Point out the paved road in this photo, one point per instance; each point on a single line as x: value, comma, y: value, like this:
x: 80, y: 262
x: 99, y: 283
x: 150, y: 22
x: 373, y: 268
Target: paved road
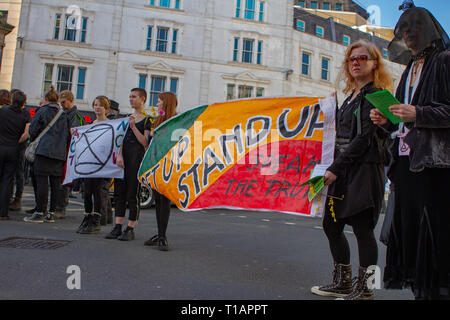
x: 215, y: 254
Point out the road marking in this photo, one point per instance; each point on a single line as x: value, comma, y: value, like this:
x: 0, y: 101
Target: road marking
x: 290, y: 223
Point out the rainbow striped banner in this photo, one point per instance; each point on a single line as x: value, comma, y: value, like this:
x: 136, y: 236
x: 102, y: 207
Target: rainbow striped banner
x: 243, y: 154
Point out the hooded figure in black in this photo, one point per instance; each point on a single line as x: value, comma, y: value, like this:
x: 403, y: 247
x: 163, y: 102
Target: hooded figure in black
x: 418, y: 253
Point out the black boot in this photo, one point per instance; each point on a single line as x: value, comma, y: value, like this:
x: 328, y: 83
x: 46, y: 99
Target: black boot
x: 84, y: 223
x: 162, y: 244
x: 115, y: 232
x: 153, y: 241
x: 127, y: 235
x: 361, y: 290
x: 341, y: 285
x: 93, y: 225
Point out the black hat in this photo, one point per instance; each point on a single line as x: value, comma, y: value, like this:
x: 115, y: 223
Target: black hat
x: 114, y: 105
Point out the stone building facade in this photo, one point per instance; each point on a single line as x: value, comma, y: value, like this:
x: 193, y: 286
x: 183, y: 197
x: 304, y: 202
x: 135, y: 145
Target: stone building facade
x: 205, y: 51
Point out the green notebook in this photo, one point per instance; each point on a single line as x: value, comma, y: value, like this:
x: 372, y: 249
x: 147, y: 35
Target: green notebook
x: 382, y: 100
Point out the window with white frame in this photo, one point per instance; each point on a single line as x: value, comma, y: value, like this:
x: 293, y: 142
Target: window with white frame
x: 162, y: 39
x: 300, y: 25
x: 339, y: 7
x: 158, y: 84
x: 306, y: 63
x: 325, y: 74
x: 313, y: 4
x: 326, y: 6
x: 76, y: 32
x: 241, y: 91
x: 345, y: 40
x: 65, y: 77
x: 173, y: 4
x: 319, y: 31
x: 301, y: 3
x: 251, y: 9
x: 252, y: 50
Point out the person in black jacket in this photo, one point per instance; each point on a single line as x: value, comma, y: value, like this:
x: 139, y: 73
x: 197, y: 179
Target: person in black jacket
x: 356, y: 177
x: 13, y: 131
x: 418, y: 250
x: 50, y: 157
x: 75, y: 119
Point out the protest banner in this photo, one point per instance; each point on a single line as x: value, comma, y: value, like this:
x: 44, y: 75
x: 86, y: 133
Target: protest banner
x: 244, y: 154
x: 93, y: 150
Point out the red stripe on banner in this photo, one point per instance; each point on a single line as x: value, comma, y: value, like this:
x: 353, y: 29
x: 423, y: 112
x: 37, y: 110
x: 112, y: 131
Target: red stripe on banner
x: 268, y: 179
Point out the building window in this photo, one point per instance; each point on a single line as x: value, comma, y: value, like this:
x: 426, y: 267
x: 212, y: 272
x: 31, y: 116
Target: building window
x: 345, y: 40
x: 259, y: 53
x: 83, y: 29
x: 313, y: 4
x: 164, y: 3
x: 247, y: 50
x: 301, y: 3
x: 339, y: 7
x: 157, y: 86
x: 48, y: 72
x: 70, y: 32
x: 174, y: 40
x: 236, y: 49
x: 261, y: 11
x: 57, y: 26
x: 238, y: 8
x: 249, y: 13
x: 65, y: 74
x: 385, y: 53
x: 326, y: 6
x: 325, y: 69
x: 149, y: 38
x: 230, y: 91
x: 306, y: 59
x: 142, y: 81
x: 300, y: 25
x: 259, y: 92
x: 173, y: 85
x: 81, y: 83
x: 319, y: 31
x: 244, y: 91
x: 161, y: 40
x: 177, y: 4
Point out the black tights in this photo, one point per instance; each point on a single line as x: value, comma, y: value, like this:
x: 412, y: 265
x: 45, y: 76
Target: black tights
x: 162, y: 205
x: 363, y: 227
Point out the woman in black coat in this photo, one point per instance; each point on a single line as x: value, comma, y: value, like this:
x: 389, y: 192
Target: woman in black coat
x: 13, y: 131
x: 50, y: 157
x: 418, y: 252
x: 356, y: 177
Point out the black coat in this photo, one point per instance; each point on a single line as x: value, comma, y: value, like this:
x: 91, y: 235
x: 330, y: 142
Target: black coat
x: 359, y: 167
x: 55, y: 141
x: 429, y: 135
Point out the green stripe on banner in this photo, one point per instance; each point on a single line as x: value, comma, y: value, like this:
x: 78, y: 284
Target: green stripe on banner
x: 162, y: 140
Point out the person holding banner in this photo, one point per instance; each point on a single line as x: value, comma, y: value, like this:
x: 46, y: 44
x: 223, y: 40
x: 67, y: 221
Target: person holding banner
x: 356, y: 176
x: 418, y: 250
x: 95, y: 187
x: 167, y: 103
x: 126, y: 190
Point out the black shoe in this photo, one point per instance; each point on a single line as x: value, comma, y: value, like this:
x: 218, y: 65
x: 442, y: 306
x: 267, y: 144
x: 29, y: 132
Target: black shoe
x: 31, y: 211
x: 83, y: 223
x: 153, y: 241
x: 37, y: 217
x: 162, y: 244
x: 127, y: 235
x: 115, y: 232
x: 93, y: 224
x: 49, y: 217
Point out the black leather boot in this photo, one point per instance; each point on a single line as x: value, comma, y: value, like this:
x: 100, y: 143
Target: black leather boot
x: 93, y: 225
x: 115, y: 232
x: 341, y: 285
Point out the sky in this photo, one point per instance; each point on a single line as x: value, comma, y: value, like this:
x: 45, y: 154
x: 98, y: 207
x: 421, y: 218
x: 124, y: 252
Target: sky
x: 390, y: 13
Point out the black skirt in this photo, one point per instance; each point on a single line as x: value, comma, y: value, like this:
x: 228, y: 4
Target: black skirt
x: 44, y: 166
x: 361, y: 188
x: 433, y: 250
x: 401, y: 253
